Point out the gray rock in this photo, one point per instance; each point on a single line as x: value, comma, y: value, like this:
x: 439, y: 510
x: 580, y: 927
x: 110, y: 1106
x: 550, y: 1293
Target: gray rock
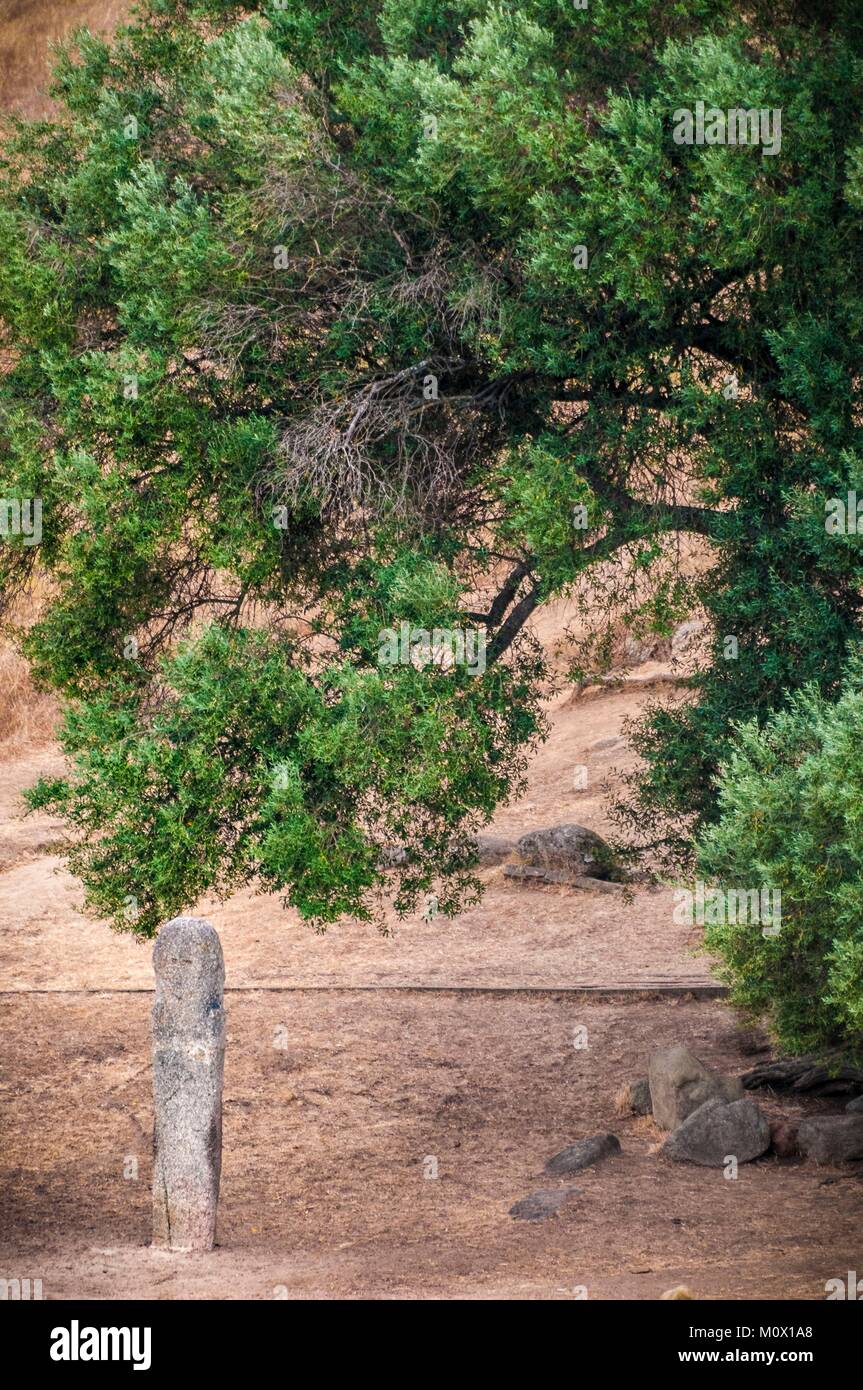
x: 717, y: 1131
x: 679, y: 1084
x: 570, y: 847
x: 583, y: 1154
x: 494, y: 849
x: 540, y: 1205
x: 832, y: 1138
x: 637, y: 650
x: 637, y: 1097
x: 685, y: 636
x: 393, y: 856
x: 855, y: 1106
x: 188, y: 1064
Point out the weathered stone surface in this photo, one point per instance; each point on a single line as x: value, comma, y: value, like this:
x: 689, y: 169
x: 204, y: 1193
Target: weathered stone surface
x: 393, y: 856
x: 640, y: 1102
x: 188, y: 1065
x: 494, y: 849
x: 569, y: 847
x: 832, y: 1138
x: 679, y: 1084
x: 716, y: 1131
x: 855, y: 1106
x: 783, y: 1139
x: 540, y: 1205
x: 649, y: 647
x: 686, y: 636
x: 583, y: 1154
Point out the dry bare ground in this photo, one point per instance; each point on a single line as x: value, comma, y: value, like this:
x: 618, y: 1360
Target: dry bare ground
x: 451, y: 1041
x: 323, y: 1187
x: 27, y: 28
x: 338, y: 1090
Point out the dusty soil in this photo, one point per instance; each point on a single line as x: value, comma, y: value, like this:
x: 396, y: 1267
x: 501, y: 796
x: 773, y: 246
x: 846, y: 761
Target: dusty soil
x: 323, y: 1189
x: 323, y: 1192
x: 28, y: 28
x: 518, y: 935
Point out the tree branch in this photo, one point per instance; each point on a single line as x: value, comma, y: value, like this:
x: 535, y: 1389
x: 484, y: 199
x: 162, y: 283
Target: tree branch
x: 507, y: 633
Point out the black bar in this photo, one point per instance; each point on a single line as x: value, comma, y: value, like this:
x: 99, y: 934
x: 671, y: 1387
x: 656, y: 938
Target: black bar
x: 764, y: 1337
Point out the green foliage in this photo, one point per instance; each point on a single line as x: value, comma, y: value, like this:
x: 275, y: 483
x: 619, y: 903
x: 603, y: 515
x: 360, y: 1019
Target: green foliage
x: 300, y: 342
x: 791, y: 817
x: 254, y: 770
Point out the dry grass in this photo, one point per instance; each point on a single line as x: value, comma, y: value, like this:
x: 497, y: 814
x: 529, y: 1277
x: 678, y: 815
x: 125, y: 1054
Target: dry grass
x: 27, y: 27
x: 27, y: 716
x: 624, y: 1099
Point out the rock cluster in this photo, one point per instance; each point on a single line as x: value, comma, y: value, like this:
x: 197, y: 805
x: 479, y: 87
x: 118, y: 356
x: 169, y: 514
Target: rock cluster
x: 709, y: 1120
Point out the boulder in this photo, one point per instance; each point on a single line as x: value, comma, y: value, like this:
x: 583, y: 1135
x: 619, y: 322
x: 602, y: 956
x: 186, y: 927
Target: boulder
x: 717, y: 1131
x: 572, y: 848
x: 832, y: 1138
x: 583, y: 1154
x: 637, y: 650
x: 679, y: 1084
x: 493, y: 849
x: 393, y: 856
x: 855, y: 1106
x: 640, y: 1102
x: 685, y: 637
x: 783, y: 1139
x: 540, y: 1205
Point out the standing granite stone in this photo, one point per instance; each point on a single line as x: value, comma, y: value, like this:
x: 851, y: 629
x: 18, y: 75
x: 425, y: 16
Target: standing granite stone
x: 188, y: 1064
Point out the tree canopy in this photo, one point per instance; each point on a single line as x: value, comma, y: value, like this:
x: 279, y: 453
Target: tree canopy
x: 326, y: 318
